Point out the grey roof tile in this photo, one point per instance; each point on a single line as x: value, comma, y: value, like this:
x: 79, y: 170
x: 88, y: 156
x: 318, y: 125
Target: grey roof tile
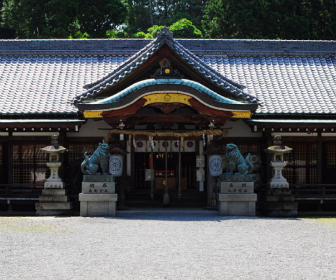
x: 287, y: 77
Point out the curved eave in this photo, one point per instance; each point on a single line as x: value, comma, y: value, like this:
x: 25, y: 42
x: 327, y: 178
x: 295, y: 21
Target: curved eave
x: 188, y: 87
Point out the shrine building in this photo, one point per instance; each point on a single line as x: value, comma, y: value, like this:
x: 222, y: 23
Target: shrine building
x: 165, y: 103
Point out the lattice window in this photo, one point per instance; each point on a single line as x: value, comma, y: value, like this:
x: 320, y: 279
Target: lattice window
x: 252, y: 149
x: 331, y: 154
x: 29, y: 164
x: 77, y: 150
x: 302, y: 163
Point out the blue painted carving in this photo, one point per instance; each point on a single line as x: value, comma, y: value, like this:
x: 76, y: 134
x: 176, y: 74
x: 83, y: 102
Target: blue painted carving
x: 139, y: 85
x: 100, y: 157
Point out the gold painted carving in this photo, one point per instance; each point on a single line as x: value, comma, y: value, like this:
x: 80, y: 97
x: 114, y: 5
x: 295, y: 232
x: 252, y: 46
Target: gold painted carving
x: 241, y: 115
x: 93, y: 114
x: 167, y: 98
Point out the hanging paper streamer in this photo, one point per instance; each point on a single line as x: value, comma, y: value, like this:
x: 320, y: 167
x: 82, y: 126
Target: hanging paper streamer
x: 152, y: 143
x: 134, y: 143
x: 204, y: 142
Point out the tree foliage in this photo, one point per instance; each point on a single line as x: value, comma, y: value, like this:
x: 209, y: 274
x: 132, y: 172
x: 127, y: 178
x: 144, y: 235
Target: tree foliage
x: 270, y: 19
x: 183, y: 28
x: 262, y: 19
x: 62, y: 18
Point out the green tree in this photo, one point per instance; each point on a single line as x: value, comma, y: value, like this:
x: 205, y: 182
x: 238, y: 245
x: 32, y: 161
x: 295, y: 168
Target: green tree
x: 95, y: 17
x: 62, y: 18
x: 270, y: 19
x: 183, y: 28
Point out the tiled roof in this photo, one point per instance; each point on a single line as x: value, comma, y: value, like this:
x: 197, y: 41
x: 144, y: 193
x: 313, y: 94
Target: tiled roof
x: 143, y: 55
x: 288, y: 77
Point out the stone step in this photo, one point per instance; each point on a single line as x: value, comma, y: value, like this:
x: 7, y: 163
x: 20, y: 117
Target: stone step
x: 54, y: 192
x: 53, y: 206
x: 279, y: 198
x: 278, y: 192
x: 43, y: 212
x: 280, y: 206
x: 280, y: 213
x: 53, y: 198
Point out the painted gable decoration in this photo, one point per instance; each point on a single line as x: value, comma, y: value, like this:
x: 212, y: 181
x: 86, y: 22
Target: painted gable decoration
x: 130, y: 72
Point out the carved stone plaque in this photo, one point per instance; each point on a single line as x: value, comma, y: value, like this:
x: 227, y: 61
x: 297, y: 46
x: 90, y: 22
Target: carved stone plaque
x: 237, y: 187
x: 98, y: 187
x: 54, y: 185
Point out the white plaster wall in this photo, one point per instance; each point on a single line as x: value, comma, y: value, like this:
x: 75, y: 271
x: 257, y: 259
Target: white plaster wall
x: 90, y: 129
x: 240, y: 129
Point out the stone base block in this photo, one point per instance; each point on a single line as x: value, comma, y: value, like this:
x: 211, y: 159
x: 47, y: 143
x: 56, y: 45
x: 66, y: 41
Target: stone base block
x: 55, y: 192
x: 237, y: 204
x: 279, y: 203
x: 98, y: 187
x: 98, y: 205
x: 237, y: 187
x: 54, y: 185
x: 278, y: 185
x: 53, y: 202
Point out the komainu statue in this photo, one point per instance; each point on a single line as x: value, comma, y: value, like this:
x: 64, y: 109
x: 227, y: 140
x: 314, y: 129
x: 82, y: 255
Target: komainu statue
x: 236, y: 161
x: 100, y: 157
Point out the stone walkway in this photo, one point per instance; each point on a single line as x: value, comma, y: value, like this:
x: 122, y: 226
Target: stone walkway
x: 167, y: 246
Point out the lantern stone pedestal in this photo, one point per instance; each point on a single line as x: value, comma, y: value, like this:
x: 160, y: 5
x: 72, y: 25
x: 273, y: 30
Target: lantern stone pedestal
x: 237, y: 197
x: 54, y: 200
x: 278, y: 199
x: 98, y: 197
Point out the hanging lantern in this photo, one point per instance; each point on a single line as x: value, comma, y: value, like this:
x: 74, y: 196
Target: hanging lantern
x: 215, y: 165
x: 116, y: 165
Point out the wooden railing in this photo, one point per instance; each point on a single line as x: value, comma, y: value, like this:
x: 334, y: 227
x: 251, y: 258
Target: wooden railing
x: 9, y: 189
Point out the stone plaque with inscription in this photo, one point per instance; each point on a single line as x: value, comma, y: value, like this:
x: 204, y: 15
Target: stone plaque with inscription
x: 54, y: 185
x: 237, y: 187
x: 98, y: 187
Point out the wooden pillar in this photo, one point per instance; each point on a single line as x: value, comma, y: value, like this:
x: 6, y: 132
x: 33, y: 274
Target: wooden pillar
x: 10, y: 165
x: 319, y: 159
x: 64, y: 157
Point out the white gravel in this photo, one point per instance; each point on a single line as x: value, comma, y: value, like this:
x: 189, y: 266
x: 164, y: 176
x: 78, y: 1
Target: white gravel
x: 166, y: 246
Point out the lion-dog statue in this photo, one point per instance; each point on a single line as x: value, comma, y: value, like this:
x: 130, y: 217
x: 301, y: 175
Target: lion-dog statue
x: 100, y: 157
x: 236, y: 161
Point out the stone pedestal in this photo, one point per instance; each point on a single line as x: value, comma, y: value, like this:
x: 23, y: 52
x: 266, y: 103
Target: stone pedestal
x: 237, y: 199
x: 98, y: 197
x: 279, y: 202
x: 54, y: 202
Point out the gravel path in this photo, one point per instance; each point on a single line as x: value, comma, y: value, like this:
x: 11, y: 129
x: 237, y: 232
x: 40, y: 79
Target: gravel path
x: 166, y: 246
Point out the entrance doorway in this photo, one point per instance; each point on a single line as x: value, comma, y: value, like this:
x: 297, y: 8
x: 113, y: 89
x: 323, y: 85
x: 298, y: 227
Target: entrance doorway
x: 143, y: 161
x: 190, y: 196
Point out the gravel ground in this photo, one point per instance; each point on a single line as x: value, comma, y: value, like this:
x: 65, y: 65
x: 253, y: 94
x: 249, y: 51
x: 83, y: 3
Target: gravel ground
x: 167, y: 246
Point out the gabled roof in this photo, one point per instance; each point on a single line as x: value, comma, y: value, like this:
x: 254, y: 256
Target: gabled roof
x: 142, y: 56
x: 288, y: 77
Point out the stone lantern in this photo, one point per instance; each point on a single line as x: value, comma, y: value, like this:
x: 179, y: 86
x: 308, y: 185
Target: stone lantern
x: 54, y: 199
x: 278, y: 199
x: 278, y: 163
x: 54, y: 181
